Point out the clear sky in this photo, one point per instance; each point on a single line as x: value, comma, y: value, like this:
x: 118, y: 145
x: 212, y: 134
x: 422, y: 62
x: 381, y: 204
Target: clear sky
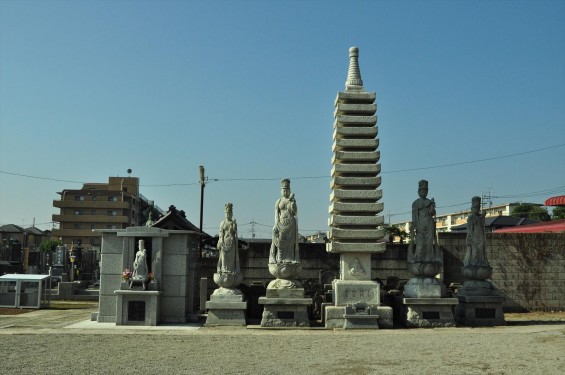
x: 89, y: 89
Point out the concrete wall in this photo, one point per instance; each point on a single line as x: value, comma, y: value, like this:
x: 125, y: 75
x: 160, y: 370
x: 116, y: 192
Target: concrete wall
x: 528, y: 268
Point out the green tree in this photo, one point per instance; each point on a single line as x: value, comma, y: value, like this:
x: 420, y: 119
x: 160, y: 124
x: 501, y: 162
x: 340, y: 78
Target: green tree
x: 394, y: 231
x: 48, y: 246
x: 531, y: 211
x: 558, y: 213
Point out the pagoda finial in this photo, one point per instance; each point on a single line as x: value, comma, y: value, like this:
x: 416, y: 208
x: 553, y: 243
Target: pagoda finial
x: 354, y: 81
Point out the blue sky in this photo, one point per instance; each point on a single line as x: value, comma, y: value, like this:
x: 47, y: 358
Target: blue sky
x: 89, y: 89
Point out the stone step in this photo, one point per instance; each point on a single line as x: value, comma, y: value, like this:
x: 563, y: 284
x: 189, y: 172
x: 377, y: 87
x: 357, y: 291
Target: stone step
x: 341, y: 144
x: 358, y: 97
x: 337, y: 220
x: 339, y: 169
x: 355, y: 247
x: 356, y: 156
x: 341, y: 207
x: 358, y: 131
x: 345, y: 120
x: 356, y: 234
x: 367, y: 182
x: 343, y: 108
x: 339, y: 194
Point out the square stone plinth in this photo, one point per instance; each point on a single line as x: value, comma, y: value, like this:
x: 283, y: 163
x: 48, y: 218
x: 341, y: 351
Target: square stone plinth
x: 285, y: 312
x: 424, y: 291
x: 347, y: 292
x: 335, y: 318
x: 480, y: 311
x: 138, y: 307
x: 226, y: 313
x: 428, y: 312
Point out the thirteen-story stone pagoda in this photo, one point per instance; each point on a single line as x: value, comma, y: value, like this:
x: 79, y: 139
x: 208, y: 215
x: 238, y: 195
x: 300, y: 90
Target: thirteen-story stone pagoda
x: 355, y: 224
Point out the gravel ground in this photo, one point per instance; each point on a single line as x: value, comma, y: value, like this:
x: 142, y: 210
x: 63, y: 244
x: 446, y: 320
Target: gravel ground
x: 526, y: 346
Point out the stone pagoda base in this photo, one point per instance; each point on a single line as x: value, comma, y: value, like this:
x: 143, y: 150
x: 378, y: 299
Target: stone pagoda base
x: 226, y: 310
x: 428, y: 312
x: 285, y: 308
x: 480, y: 311
x: 357, y: 305
x: 137, y: 307
x: 339, y: 317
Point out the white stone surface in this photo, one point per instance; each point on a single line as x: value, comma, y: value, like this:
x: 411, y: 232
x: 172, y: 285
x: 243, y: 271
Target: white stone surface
x: 355, y: 247
x: 356, y: 220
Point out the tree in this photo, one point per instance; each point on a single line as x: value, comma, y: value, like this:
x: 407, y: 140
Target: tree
x: 558, y: 213
x: 394, y: 231
x: 531, y: 211
x: 48, y: 246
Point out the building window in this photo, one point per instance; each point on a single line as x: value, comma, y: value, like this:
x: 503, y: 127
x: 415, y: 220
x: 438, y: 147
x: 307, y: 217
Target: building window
x: 93, y: 212
x: 79, y: 197
x: 94, y: 242
x: 112, y: 213
x: 125, y: 189
x: 112, y: 199
x: 111, y: 226
x: 77, y: 226
x: 78, y: 212
x: 92, y: 226
x: 94, y: 197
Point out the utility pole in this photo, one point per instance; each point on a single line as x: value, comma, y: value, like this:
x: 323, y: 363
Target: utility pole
x: 202, y: 184
x: 253, y: 229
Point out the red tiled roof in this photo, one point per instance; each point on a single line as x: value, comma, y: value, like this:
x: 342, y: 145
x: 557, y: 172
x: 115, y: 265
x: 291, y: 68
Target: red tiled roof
x: 555, y: 201
x: 546, y: 226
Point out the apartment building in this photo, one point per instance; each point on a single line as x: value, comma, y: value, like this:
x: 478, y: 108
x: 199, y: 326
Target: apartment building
x: 113, y: 205
x: 444, y: 222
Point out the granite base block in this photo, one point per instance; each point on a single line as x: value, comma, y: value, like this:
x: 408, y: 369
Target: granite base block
x: 424, y: 291
x: 428, y: 312
x: 285, y: 312
x: 334, y: 317
x: 226, y: 313
x: 477, y: 311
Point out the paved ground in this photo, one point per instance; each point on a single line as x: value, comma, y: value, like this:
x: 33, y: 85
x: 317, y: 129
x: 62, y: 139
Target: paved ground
x: 65, y: 341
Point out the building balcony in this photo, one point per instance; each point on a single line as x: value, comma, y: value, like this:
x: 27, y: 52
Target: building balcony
x: 91, y: 204
x: 92, y: 219
x: 77, y: 233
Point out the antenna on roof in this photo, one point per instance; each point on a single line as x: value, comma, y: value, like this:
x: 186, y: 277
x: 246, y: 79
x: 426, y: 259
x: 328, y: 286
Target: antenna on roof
x: 129, y: 172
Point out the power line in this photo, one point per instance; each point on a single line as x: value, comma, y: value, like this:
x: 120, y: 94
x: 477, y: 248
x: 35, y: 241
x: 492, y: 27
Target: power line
x: 306, y: 177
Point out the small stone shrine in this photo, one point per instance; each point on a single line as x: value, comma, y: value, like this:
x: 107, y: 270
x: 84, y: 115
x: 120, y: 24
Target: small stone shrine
x: 480, y: 303
x: 145, y: 278
x: 284, y: 304
x: 227, y: 306
x: 425, y: 303
x: 355, y: 225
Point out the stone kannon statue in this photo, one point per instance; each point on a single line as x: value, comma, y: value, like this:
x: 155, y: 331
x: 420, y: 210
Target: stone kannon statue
x: 284, y: 248
x: 228, y: 261
x: 140, y: 270
x: 475, y: 263
x: 228, y: 275
x: 423, y: 226
x: 475, y: 243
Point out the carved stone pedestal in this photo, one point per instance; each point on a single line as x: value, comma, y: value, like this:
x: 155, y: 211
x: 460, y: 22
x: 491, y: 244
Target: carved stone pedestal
x: 480, y: 311
x: 226, y: 310
x: 357, y: 305
x: 428, y: 312
x: 137, y: 307
x: 285, y: 308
